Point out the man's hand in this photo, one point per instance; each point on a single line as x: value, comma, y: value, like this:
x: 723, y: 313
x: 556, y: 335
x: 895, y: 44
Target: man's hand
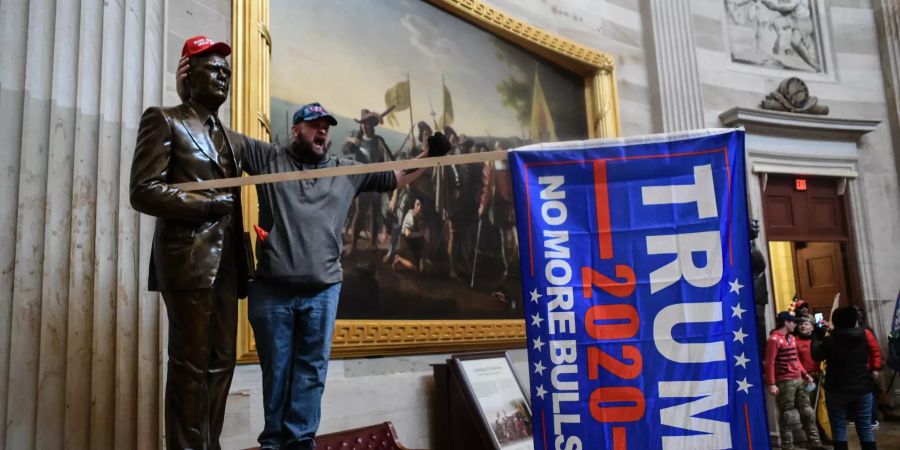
x: 808, y: 378
x: 181, y: 74
x: 221, y: 205
x: 773, y: 390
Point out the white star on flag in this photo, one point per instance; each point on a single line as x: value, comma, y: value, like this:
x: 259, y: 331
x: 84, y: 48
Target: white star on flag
x: 743, y: 385
x: 735, y: 286
x: 741, y: 360
x: 536, y: 320
x: 539, y: 368
x: 739, y: 335
x: 738, y: 311
x: 538, y: 343
x: 535, y: 296
x: 540, y: 391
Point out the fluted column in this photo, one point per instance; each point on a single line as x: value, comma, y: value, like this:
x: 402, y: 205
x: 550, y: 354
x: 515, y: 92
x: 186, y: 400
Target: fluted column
x: 79, y: 333
x: 887, y: 15
x: 674, y: 76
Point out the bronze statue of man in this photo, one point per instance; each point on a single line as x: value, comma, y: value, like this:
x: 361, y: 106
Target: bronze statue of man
x: 198, y: 261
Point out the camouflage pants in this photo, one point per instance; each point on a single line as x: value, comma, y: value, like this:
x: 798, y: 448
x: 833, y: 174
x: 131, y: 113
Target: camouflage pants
x: 794, y: 409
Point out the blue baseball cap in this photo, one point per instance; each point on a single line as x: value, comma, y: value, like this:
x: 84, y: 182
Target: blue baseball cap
x: 313, y: 111
x: 787, y: 316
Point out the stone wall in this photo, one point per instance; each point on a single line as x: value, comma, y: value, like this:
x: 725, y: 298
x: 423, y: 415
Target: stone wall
x: 79, y: 333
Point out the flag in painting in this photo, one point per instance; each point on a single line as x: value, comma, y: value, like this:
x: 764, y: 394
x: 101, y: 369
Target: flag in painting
x: 447, y: 116
x: 399, y: 98
x: 639, y: 311
x: 542, y: 127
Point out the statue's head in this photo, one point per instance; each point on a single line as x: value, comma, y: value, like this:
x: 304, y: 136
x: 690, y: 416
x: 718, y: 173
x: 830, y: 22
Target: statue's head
x: 754, y: 229
x: 209, y: 75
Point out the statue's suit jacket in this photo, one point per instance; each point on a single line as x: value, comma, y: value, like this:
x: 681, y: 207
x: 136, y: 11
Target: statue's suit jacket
x: 173, y: 146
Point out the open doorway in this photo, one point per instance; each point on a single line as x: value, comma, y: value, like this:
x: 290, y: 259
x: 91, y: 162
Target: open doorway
x: 811, y: 252
x: 812, y: 271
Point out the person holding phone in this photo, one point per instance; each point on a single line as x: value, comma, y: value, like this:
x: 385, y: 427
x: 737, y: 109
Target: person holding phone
x: 848, y: 379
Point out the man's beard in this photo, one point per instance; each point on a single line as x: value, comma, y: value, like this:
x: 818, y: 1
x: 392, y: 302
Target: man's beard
x: 304, y: 150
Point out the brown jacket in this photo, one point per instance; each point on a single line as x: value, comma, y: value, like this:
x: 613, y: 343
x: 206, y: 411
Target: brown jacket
x: 173, y: 146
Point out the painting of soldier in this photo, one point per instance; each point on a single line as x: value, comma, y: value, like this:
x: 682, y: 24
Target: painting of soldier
x: 393, y: 74
x: 779, y: 34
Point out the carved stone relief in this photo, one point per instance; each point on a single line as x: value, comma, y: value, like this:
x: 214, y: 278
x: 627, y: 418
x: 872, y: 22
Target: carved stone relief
x: 776, y: 34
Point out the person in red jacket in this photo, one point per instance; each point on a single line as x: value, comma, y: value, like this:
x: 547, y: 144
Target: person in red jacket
x: 875, y: 361
x: 804, y: 332
x: 805, y: 329
x: 787, y: 381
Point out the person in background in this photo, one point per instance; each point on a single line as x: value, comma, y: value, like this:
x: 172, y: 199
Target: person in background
x: 848, y: 379
x: 875, y: 361
x: 366, y: 146
x: 414, y: 238
x: 785, y: 377
x: 801, y: 308
x: 804, y: 333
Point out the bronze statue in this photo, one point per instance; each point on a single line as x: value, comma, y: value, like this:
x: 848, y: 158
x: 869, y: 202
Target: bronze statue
x: 760, y: 286
x: 198, y: 260
x: 792, y: 95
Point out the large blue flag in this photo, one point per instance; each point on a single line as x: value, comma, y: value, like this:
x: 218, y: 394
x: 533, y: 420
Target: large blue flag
x: 639, y: 310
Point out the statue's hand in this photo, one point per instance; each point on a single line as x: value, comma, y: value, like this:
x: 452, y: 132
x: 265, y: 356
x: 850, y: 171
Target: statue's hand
x: 221, y: 205
x: 181, y: 74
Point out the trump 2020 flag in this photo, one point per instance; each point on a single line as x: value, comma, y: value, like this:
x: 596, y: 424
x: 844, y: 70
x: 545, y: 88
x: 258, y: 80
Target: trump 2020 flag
x: 639, y: 311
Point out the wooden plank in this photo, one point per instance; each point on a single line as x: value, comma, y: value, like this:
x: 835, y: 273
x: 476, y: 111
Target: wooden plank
x: 415, y: 163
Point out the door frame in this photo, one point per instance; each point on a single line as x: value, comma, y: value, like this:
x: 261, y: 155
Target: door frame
x: 802, y: 144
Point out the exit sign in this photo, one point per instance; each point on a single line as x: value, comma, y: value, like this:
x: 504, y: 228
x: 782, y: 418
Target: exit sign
x: 800, y: 184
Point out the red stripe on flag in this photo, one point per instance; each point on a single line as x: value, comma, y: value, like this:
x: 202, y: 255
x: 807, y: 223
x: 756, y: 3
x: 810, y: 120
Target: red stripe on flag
x: 544, y: 428
x: 527, y: 214
x: 620, y: 441
x: 604, y: 230
x: 747, y: 419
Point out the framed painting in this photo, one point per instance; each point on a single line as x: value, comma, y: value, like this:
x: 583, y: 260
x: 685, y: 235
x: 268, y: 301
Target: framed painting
x: 432, y: 267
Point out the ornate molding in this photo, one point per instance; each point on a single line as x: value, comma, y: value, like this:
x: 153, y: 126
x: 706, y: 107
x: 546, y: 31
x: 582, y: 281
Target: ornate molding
x: 392, y: 337
x: 523, y: 34
x: 794, y: 123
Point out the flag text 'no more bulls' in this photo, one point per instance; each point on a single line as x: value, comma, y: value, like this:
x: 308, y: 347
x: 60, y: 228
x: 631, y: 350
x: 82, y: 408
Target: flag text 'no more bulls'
x: 639, y: 312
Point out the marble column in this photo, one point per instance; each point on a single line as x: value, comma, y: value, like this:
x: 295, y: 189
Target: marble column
x: 673, y: 69
x: 887, y: 18
x: 79, y: 334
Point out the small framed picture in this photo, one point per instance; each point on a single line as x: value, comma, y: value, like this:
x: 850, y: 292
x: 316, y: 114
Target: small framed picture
x: 496, y: 394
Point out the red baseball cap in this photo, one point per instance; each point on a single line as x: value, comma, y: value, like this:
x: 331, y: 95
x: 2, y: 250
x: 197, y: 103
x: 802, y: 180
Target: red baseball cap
x: 202, y: 44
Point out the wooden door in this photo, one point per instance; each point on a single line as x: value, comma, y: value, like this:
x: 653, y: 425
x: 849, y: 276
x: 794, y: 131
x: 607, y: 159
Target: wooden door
x: 820, y: 274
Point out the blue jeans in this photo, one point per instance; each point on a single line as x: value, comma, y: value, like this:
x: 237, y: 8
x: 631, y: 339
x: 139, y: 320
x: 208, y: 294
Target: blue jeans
x: 293, y: 328
x: 858, y: 406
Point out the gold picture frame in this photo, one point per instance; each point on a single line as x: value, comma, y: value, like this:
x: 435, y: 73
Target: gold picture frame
x: 251, y: 116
